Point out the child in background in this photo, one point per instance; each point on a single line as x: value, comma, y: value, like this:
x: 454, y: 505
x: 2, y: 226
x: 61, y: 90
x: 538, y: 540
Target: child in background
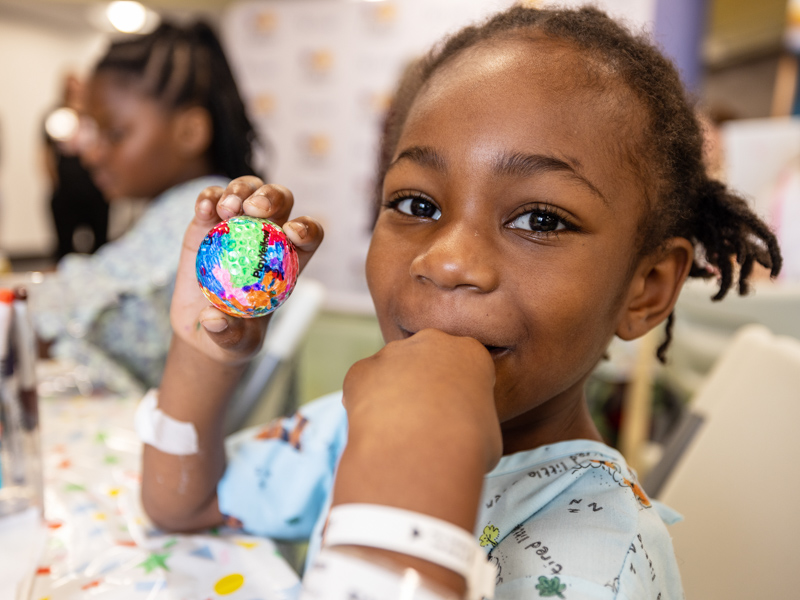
x: 166, y: 121
x: 543, y: 191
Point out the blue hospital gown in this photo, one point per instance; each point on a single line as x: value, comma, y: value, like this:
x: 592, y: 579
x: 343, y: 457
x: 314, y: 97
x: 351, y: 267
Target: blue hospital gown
x: 566, y: 520
x: 109, y: 311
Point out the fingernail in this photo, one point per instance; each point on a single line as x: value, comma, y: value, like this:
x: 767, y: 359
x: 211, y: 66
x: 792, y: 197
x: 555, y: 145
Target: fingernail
x: 215, y: 325
x: 205, y: 208
x: 299, y: 228
x: 232, y: 202
x: 261, y: 202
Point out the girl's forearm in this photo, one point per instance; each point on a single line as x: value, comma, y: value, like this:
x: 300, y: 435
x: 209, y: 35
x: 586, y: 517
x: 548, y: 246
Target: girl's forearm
x: 179, y: 492
x: 429, y: 476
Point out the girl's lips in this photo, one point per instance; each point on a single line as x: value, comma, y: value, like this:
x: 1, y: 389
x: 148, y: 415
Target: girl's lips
x: 495, y: 351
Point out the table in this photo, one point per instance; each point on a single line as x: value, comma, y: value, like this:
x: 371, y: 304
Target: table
x: 100, y: 544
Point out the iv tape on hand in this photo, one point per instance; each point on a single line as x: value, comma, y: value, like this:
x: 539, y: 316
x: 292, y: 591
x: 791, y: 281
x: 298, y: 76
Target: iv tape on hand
x: 161, y: 431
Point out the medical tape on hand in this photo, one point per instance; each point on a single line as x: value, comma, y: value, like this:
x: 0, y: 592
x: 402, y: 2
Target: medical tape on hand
x: 414, y: 534
x: 161, y: 431
x: 337, y: 576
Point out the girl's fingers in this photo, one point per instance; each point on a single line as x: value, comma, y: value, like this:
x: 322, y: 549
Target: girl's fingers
x: 232, y: 333
x: 272, y: 201
x: 205, y: 217
x: 206, y: 203
x: 243, y: 186
x: 238, y: 189
x: 306, y: 235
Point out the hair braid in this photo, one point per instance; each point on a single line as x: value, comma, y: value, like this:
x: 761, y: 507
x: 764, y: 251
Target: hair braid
x: 728, y: 230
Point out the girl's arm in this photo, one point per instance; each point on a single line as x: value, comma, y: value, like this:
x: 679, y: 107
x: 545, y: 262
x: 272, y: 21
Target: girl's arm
x: 423, y: 432
x: 208, y: 355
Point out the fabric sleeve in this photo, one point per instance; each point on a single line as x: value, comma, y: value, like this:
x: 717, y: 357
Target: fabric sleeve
x: 115, y: 302
x: 68, y: 301
x: 279, y: 476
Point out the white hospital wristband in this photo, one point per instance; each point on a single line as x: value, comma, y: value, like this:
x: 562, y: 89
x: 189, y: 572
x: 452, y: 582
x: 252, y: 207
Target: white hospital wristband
x: 161, y: 431
x: 414, y: 534
x: 337, y: 576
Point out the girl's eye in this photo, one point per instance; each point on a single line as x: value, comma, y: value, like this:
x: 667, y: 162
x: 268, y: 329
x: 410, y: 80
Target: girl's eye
x: 540, y: 221
x: 417, y: 207
x: 113, y: 135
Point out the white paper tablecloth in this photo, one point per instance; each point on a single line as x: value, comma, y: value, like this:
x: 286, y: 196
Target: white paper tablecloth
x: 99, y: 543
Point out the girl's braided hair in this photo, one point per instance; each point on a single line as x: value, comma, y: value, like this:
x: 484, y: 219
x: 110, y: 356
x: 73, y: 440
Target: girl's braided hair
x: 186, y: 66
x: 686, y: 203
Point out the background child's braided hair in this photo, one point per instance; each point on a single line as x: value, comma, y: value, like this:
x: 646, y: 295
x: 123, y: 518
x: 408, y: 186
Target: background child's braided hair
x: 186, y: 66
x: 686, y: 202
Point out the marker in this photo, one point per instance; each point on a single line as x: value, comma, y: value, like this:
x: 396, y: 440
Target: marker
x: 25, y: 342
x: 6, y: 424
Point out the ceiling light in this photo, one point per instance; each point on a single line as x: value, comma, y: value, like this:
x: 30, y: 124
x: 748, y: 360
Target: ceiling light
x: 127, y: 16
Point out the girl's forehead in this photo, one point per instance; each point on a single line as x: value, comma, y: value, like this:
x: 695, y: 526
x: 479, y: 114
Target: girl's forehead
x: 531, y: 81
x: 536, y: 95
x: 537, y: 61
x: 113, y: 93
x: 112, y: 82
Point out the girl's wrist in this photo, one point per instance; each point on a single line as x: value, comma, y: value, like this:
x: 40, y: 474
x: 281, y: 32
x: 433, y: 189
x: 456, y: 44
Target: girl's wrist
x: 195, y: 385
x: 438, y: 476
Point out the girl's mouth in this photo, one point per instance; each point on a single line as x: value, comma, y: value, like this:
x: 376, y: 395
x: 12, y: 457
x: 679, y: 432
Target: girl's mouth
x: 495, y: 351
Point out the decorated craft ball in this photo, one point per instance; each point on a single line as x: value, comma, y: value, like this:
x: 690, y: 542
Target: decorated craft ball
x: 246, y: 267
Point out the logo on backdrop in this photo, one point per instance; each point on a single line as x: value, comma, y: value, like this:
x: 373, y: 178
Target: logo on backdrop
x: 264, y: 105
x: 318, y: 64
x: 315, y: 148
x: 266, y: 22
x: 380, y: 17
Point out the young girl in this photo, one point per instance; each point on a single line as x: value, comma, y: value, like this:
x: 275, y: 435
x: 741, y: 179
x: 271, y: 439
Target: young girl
x: 167, y: 122
x: 543, y: 190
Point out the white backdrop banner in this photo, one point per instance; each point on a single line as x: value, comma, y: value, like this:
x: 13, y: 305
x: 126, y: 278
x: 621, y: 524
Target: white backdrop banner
x: 317, y: 76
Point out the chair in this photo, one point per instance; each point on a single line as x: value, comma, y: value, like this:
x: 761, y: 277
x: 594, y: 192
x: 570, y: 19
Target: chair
x: 733, y: 475
x: 268, y: 387
x: 703, y: 328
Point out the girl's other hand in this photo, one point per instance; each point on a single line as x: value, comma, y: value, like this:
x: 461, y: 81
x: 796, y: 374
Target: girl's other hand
x: 426, y: 405
x: 217, y: 335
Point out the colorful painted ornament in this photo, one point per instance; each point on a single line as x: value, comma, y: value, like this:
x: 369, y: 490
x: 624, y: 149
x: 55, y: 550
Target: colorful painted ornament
x: 246, y: 267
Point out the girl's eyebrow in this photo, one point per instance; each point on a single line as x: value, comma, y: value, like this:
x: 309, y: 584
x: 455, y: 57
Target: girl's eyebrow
x: 517, y: 164
x: 422, y: 155
x: 525, y: 165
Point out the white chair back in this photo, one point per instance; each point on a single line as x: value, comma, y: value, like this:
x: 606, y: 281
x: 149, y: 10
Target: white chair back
x: 704, y: 328
x: 737, y: 481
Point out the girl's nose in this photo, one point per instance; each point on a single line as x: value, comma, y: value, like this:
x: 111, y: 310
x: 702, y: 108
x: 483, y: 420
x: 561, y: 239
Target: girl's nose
x: 458, y: 257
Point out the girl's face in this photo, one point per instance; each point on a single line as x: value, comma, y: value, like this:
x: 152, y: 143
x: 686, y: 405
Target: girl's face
x: 132, y: 150
x: 510, y: 216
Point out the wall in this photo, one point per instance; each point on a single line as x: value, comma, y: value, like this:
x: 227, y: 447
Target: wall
x: 35, y: 55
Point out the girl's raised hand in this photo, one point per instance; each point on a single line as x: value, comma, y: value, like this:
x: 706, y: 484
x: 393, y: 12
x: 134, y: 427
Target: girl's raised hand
x: 220, y: 336
x: 426, y: 405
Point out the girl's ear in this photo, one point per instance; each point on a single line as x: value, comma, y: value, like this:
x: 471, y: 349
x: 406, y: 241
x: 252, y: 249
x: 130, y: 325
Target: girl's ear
x: 655, y: 287
x: 193, y: 131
